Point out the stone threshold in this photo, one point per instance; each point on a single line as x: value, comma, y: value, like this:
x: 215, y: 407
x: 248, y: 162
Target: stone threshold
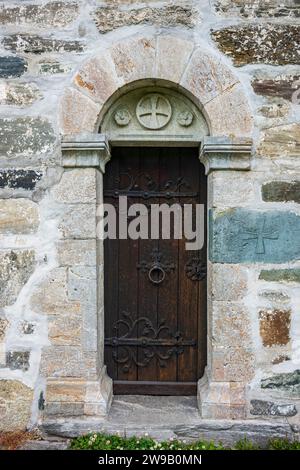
x: 164, y: 418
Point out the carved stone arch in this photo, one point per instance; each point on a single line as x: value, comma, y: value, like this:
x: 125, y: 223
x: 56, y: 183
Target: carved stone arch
x: 197, y: 75
x: 201, y: 75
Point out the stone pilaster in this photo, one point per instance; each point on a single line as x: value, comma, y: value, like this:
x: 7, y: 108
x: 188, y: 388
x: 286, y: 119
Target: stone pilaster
x: 222, y: 389
x: 77, y: 383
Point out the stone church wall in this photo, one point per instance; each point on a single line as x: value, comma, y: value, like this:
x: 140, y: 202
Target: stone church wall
x: 47, y: 257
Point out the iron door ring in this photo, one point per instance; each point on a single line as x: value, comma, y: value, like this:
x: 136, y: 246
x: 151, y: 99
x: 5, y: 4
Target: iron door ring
x: 159, y: 269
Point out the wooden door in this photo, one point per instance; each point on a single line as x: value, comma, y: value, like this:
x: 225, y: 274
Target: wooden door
x: 155, y: 290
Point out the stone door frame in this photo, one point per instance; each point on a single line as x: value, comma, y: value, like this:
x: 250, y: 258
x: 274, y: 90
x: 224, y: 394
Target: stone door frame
x: 214, y: 89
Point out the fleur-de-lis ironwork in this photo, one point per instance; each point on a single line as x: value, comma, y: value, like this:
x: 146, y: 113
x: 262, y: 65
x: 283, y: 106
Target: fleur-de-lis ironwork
x: 149, y: 342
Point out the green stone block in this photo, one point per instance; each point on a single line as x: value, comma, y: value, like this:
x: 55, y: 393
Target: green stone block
x: 278, y: 275
x: 243, y: 236
x: 289, y: 382
x: 281, y: 191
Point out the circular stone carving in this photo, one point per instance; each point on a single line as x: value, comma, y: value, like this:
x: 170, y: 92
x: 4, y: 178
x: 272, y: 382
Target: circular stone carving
x: 154, y: 111
x: 185, y: 118
x: 122, y: 117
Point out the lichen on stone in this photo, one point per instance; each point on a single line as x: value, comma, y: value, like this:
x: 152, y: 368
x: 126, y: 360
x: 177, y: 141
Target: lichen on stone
x: 289, y: 382
x: 275, y: 44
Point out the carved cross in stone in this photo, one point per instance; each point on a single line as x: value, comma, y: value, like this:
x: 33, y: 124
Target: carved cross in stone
x: 260, y: 234
x: 154, y: 105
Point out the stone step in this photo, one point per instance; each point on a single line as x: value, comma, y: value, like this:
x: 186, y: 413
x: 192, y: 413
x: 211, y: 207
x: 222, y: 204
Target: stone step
x: 62, y: 444
x: 165, y: 418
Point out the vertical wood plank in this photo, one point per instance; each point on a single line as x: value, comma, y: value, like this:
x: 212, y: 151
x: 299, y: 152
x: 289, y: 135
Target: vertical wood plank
x: 168, y: 289
x: 188, y: 289
x: 128, y: 276
x: 149, y: 164
x: 111, y: 273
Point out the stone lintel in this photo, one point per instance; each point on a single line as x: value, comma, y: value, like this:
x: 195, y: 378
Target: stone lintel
x: 225, y: 153
x: 85, y: 150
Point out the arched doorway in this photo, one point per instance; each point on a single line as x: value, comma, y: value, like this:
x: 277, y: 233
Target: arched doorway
x: 155, y: 288
x: 225, y: 145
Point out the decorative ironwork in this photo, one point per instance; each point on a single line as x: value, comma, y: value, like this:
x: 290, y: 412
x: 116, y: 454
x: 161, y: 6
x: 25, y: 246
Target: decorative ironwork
x: 134, y: 348
x: 154, y: 111
x: 156, y: 268
x: 143, y: 185
x: 195, y: 269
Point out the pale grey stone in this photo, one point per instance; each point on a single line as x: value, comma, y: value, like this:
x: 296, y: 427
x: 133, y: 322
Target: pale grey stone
x: 16, y: 268
x: 275, y: 297
x: 18, y: 360
x: 250, y: 9
x: 269, y: 408
x: 63, y: 361
x: 79, y: 221
x: 18, y: 216
x: 232, y: 189
x: 76, y: 187
x: 34, y: 44
x: 27, y: 328
x: 228, y: 282
x: 49, y: 67
x: 20, y: 94
x: 77, y: 252
x: 3, y: 327
x: 82, y: 287
x: 64, y: 409
x: 82, y: 283
x: 111, y: 17
x: 25, y: 136
x: 46, y: 445
x: 57, y: 14
x: 50, y: 297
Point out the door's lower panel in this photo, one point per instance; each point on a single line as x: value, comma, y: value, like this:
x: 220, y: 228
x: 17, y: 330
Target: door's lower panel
x: 154, y: 388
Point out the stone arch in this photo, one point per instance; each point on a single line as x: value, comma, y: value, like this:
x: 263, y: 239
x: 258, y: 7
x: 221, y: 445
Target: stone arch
x: 189, y: 67
x: 204, y: 79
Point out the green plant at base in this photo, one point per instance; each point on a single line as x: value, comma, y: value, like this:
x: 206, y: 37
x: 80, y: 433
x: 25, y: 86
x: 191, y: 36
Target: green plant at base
x: 114, y: 442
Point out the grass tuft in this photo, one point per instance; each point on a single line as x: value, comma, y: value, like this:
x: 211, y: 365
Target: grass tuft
x: 114, y: 442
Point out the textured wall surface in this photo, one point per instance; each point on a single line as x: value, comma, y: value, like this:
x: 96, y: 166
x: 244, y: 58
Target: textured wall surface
x: 48, y: 272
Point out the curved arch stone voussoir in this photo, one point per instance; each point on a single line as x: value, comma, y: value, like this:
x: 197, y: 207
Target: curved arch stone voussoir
x: 206, y: 77
x: 172, y: 57
x: 78, y: 113
x: 98, y: 79
x: 202, y: 75
x: 135, y: 58
x: 229, y: 113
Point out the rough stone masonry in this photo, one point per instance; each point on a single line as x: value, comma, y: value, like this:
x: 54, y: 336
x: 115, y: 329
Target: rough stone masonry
x: 60, y: 61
